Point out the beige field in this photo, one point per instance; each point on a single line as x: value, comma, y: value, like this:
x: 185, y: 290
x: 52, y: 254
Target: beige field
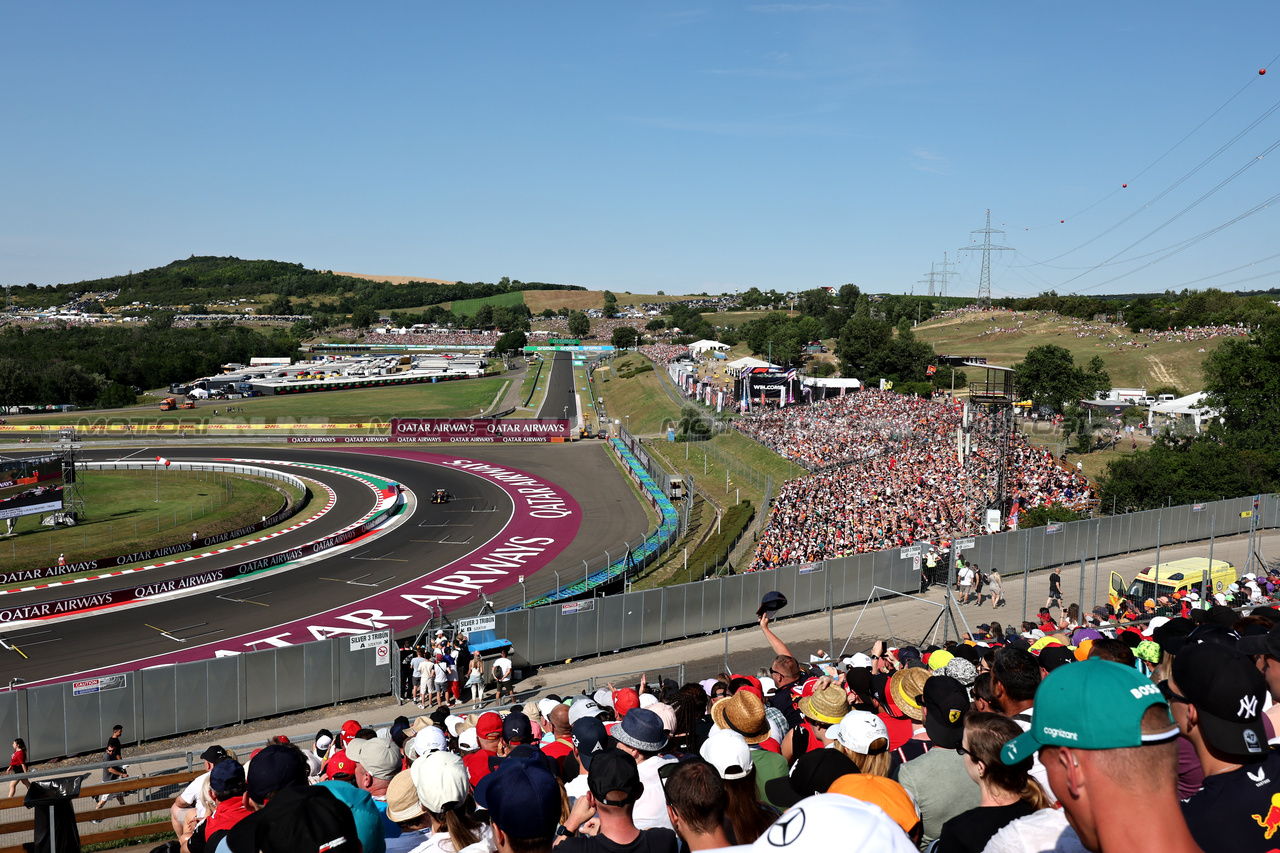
x: 393, y: 279
x: 1175, y: 363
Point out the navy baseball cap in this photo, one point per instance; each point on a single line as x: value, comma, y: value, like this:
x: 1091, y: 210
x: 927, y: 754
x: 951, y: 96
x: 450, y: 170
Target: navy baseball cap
x: 522, y: 797
x: 273, y: 769
x: 517, y: 727
x: 589, y: 737
x: 227, y: 775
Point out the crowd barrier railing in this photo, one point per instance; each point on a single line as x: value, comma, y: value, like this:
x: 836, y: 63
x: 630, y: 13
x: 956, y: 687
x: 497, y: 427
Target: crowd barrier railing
x: 607, y: 624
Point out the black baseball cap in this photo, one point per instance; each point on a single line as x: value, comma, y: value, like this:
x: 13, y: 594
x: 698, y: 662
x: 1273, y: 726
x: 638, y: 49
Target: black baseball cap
x: 946, y: 703
x: 812, y: 773
x: 1172, y: 635
x: 1052, y: 657
x: 1228, y: 692
x: 306, y: 818
x: 614, y: 770
x: 1261, y: 644
x: 771, y: 603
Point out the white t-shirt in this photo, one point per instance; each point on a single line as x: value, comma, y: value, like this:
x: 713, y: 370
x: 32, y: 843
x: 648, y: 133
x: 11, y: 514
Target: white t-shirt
x: 1045, y: 831
x: 651, y: 809
x: 191, y: 794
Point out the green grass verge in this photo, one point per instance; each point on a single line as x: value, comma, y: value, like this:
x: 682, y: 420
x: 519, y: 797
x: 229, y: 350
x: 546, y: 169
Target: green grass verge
x: 123, y: 516
x: 715, y: 550
x: 641, y: 396
x: 463, y: 398
x: 468, y: 307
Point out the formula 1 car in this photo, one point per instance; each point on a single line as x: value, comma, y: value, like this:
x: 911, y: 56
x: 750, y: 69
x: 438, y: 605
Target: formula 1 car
x: 441, y: 497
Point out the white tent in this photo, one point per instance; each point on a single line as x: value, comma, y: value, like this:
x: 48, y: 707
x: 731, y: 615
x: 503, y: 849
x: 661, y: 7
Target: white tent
x: 1190, y: 409
x: 746, y: 362
x: 702, y: 346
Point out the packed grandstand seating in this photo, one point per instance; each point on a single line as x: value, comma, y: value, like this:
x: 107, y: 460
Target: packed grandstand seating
x: 441, y: 337
x: 664, y: 354
x: 886, y: 476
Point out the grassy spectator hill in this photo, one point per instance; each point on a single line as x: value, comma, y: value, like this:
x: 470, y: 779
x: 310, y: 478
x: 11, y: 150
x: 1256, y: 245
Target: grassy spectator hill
x: 996, y: 337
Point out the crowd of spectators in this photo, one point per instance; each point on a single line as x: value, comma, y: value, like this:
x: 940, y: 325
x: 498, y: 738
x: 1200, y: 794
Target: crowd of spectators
x: 886, y: 475
x: 601, y: 327
x: 1054, y: 737
x: 433, y: 337
x: 664, y: 354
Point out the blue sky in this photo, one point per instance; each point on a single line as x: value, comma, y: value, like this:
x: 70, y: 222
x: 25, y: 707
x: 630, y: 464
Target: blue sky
x: 644, y: 147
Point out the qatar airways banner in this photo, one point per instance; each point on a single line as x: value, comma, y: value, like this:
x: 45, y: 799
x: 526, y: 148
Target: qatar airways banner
x: 443, y: 430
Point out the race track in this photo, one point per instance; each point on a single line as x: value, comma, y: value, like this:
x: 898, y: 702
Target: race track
x: 333, y: 592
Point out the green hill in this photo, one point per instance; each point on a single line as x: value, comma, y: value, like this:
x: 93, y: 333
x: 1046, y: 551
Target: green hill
x: 217, y: 282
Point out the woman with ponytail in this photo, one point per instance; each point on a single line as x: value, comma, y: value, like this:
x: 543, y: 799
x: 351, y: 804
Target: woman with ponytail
x: 1008, y: 792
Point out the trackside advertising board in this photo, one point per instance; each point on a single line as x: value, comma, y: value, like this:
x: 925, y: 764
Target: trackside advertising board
x: 443, y: 430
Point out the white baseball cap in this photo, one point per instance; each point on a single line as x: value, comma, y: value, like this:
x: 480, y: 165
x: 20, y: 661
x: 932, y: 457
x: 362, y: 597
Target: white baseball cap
x: 1154, y: 624
x: 729, y: 752
x: 816, y: 822
x: 468, y: 741
x: 857, y: 730
x: 583, y: 707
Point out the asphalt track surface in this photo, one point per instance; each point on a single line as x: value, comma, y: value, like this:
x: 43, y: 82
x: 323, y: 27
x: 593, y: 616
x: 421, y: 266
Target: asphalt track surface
x: 560, y: 394
x: 609, y: 514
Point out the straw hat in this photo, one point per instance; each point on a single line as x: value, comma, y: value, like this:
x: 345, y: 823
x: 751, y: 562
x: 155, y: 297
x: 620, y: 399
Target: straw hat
x: 828, y: 705
x: 743, y: 712
x: 906, y: 687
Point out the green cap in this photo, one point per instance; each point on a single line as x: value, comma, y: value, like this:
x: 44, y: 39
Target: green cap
x: 1095, y: 704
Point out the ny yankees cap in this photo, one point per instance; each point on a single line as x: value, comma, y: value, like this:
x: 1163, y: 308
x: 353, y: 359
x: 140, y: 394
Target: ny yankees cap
x: 1228, y: 692
x: 1094, y: 704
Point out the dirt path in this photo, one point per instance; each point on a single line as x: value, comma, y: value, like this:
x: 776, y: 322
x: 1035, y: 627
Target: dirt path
x: 1160, y: 373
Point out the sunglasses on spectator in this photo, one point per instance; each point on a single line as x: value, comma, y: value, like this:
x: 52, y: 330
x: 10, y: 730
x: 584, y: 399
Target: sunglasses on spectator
x: 1167, y: 692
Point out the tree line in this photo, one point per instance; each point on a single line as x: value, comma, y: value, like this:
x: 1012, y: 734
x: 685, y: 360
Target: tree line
x: 101, y: 366
x: 206, y: 279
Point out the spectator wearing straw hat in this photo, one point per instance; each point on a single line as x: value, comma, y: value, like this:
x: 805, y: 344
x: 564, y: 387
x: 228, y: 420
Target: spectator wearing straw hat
x: 408, y: 814
x: 744, y: 713
x: 906, y: 688
x: 819, y: 711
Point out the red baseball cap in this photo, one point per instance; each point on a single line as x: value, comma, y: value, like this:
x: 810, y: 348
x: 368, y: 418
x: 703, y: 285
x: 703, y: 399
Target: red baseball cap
x: 489, y: 725
x: 624, y: 700
x: 339, y: 763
